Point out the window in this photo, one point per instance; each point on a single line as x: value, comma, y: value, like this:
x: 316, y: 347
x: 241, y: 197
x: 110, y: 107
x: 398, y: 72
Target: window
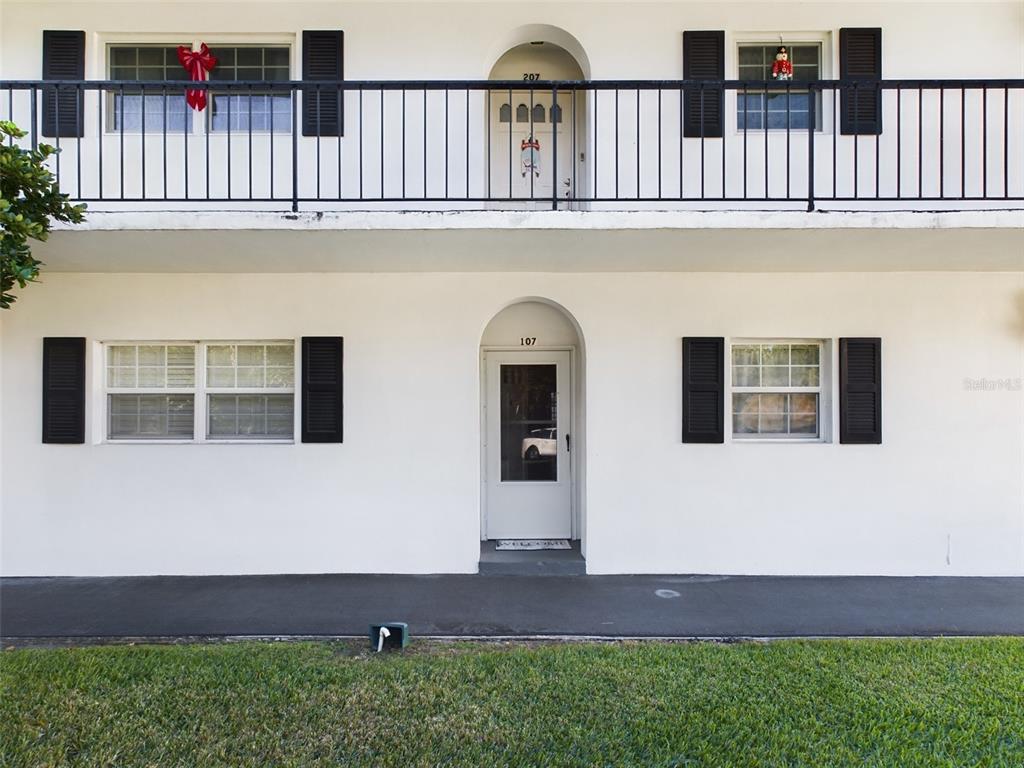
x: 251, y: 390
x: 200, y: 391
x: 270, y: 109
x: 778, y: 109
x: 523, y: 113
x: 240, y: 108
x: 129, y: 107
x: 777, y: 390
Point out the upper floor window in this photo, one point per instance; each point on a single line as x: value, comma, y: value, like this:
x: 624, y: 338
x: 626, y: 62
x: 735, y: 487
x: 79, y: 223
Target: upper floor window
x: 525, y: 115
x: 244, y: 108
x: 237, y: 109
x: 129, y: 109
x: 780, y: 109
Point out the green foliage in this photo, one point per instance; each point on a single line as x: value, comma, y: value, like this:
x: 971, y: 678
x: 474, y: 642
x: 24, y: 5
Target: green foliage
x: 29, y: 200
x: 820, y: 704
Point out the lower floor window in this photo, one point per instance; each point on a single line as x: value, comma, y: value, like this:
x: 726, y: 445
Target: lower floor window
x: 777, y: 389
x: 251, y: 416
x: 152, y: 416
x: 200, y: 391
x: 775, y: 414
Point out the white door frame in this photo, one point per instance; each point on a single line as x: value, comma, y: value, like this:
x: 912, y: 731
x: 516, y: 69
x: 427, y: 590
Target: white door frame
x: 575, y: 525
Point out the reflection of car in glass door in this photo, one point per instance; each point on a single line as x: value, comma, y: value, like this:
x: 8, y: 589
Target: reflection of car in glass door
x: 540, y: 442
x: 528, y: 493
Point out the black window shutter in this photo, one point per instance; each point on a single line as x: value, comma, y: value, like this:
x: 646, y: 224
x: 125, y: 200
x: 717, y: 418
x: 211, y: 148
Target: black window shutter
x: 703, y: 59
x: 703, y: 390
x: 322, y: 108
x: 860, y: 59
x: 63, y: 59
x: 322, y: 379
x: 860, y: 390
x: 63, y: 390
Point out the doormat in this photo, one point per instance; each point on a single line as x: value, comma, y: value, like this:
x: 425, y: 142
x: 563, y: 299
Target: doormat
x: 532, y: 544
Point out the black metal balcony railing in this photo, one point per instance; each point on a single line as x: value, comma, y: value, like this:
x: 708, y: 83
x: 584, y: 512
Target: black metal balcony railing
x: 562, y: 145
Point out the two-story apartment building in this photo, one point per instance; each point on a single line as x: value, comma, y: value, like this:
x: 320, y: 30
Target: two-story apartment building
x: 421, y: 276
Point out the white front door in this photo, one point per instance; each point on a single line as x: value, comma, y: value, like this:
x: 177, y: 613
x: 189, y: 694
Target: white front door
x: 524, y: 157
x: 527, y: 414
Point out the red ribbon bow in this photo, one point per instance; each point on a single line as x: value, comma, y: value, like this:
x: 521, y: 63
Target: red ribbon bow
x: 197, y: 64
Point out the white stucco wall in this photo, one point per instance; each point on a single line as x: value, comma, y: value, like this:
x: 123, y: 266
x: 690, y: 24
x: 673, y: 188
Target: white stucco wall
x: 944, y: 493
x: 463, y: 41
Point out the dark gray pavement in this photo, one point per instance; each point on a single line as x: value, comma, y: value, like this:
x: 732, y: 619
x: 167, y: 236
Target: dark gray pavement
x: 613, y: 606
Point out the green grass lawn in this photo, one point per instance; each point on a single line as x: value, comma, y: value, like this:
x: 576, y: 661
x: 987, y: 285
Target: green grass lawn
x: 808, y: 703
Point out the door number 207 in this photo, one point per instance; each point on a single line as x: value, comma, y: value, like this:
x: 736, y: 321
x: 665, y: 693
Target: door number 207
x: 527, y: 341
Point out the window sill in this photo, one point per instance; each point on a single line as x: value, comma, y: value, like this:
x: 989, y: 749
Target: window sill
x: 115, y: 132
x: 781, y: 440
x: 157, y: 441
x: 802, y: 131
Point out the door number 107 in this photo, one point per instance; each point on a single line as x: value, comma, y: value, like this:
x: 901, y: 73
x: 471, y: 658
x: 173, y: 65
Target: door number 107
x: 527, y: 341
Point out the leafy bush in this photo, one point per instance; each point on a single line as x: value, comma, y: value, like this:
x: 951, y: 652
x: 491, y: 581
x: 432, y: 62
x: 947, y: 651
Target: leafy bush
x: 29, y: 200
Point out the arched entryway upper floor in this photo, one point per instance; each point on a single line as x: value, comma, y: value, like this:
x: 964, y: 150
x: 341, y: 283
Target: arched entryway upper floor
x: 550, y: 35
x: 536, y: 135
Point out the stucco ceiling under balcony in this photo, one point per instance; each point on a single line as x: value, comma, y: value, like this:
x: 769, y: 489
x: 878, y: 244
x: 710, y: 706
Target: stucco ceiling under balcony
x: 514, y: 241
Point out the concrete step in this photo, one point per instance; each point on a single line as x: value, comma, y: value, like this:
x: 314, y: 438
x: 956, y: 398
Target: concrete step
x: 555, y: 562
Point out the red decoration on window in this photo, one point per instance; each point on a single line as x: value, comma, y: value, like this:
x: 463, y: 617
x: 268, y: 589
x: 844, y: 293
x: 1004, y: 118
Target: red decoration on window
x: 782, y: 67
x: 197, y: 64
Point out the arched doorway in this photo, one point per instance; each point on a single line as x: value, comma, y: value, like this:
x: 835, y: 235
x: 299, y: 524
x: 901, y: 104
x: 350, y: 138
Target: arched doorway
x: 532, y: 426
x: 536, y: 135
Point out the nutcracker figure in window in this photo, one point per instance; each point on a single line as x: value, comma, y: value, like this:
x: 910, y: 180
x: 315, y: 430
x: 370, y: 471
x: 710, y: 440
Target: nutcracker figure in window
x: 782, y: 67
x: 530, y: 156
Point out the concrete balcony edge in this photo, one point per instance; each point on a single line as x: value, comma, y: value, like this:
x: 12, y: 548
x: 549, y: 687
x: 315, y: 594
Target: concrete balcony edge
x: 227, y: 220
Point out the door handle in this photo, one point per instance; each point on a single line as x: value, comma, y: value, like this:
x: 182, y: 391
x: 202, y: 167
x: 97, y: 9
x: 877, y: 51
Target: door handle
x: 568, y: 442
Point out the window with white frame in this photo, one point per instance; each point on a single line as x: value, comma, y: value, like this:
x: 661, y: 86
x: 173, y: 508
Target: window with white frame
x: 245, y: 108
x: 239, y: 108
x: 205, y: 391
x: 128, y: 108
x: 777, y: 389
x: 778, y: 109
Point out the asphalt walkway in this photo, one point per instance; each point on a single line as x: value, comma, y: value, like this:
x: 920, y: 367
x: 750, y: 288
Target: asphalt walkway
x: 611, y: 606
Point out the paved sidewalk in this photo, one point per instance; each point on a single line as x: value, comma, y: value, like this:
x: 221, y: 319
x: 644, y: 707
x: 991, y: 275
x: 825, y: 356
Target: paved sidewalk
x: 612, y: 606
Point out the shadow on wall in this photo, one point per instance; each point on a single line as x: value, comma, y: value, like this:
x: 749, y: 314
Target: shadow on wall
x: 1018, y: 316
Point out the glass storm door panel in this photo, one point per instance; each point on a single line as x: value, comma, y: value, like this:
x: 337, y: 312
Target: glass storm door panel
x: 527, y: 414
x: 529, y: 422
